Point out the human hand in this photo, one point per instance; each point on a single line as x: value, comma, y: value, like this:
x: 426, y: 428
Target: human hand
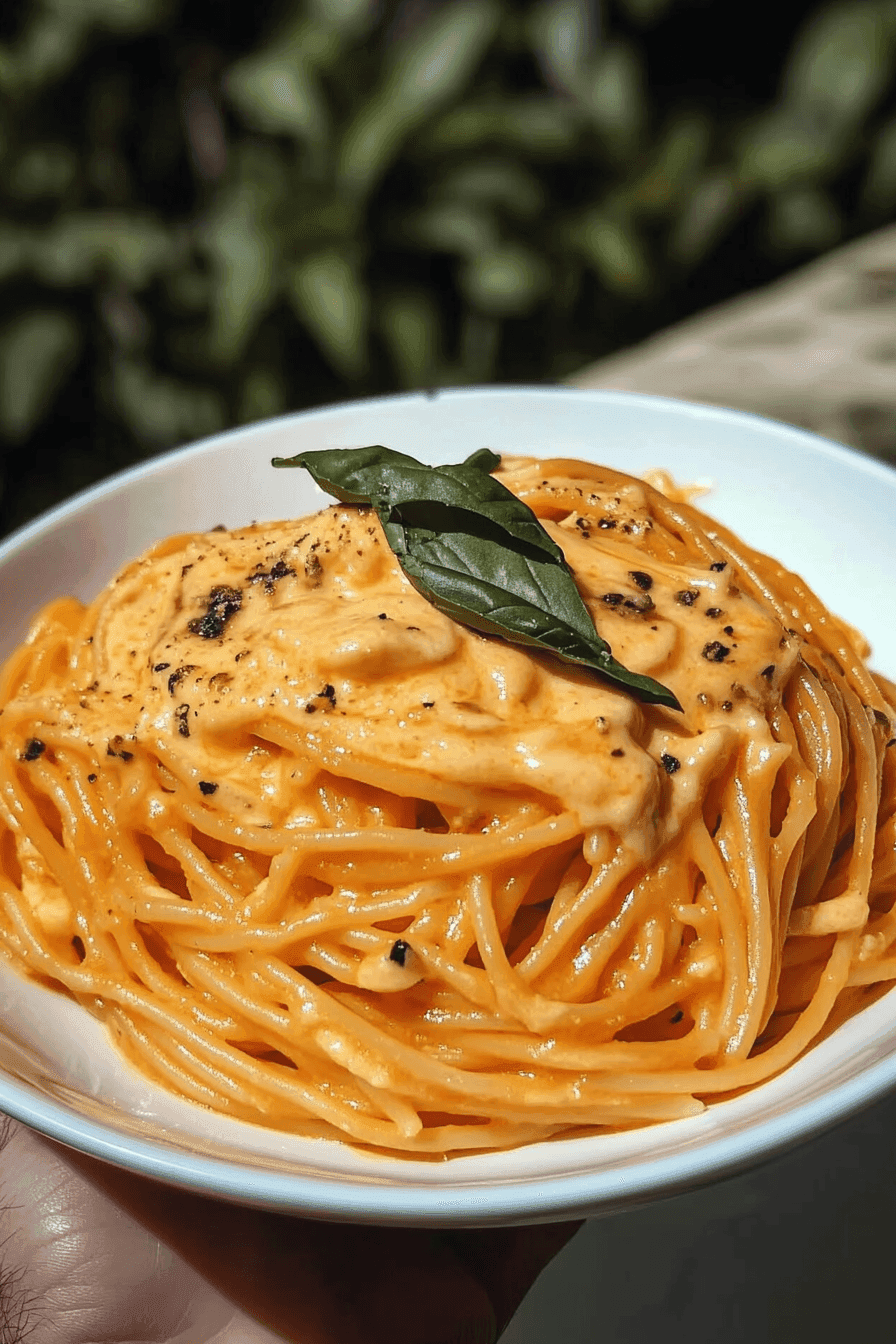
x: 88, y: 1252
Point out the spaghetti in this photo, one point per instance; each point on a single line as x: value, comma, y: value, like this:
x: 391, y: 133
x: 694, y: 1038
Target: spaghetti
x: 325, y: 860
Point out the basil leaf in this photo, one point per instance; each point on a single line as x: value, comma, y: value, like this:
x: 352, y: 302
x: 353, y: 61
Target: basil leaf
x: 476, y: 552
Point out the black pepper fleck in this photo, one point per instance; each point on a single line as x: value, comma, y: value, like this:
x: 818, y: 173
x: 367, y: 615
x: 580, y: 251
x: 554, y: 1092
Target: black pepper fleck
x: 727, y: 706
x: 688, y: 596
x: 207, y: 788
x: 768, y: 672
x: 181, y: 714
x: 607, y: 522
x: 400, y: 950
x: 91, y: 779
x: 178, y: 675
x: 222, y: 603
x: 271, y: 577
x: 713, y: 612
x: 670, y: 763
x: 714, y: 652
x: 644, y: 581
x: 728, y: 629
x: 614, y: 599
x: 161, y: 667
x: 33, y: 748
x: 719, y: 565
x: 617, y: 751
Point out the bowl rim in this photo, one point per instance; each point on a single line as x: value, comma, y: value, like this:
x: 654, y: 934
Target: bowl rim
x: 158, y: 462
x: 536, y: 1198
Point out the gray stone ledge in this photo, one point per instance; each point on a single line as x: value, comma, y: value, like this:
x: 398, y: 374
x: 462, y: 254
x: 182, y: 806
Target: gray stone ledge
x: 817, y: 349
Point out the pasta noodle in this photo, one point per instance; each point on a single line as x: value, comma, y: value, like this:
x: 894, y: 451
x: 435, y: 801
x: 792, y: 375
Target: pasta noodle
x: 323, y: 859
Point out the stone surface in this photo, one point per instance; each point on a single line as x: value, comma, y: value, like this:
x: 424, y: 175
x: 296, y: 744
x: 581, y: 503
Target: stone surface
x: 817, y: 349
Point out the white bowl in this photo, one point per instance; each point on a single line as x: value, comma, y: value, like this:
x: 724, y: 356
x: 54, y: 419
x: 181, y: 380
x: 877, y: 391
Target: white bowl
x: 822, y: 509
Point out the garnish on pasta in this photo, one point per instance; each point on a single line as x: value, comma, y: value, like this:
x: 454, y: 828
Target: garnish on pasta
x: 470, y: 546
x: 324, y: 858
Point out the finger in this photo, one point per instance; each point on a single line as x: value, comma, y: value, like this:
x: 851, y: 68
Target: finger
x: 317, y: 1283
x: 506, y: 1261
x: 74, y: 1267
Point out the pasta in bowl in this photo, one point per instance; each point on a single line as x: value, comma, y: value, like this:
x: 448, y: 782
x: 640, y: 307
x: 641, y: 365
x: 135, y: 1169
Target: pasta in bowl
x: 324, y: 859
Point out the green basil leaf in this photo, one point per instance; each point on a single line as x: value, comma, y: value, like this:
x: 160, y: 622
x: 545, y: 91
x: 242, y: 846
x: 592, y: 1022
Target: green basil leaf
x: 476, y: 552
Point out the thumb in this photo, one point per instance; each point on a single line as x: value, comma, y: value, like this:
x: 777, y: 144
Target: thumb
x: 318, y: 1283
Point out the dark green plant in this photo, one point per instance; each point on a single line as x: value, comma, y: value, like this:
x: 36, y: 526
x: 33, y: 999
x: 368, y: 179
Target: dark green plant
x: 211, y: 213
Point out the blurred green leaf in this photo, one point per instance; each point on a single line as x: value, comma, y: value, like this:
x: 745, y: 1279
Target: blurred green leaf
x: 782, y: 147
x: 646, y: 11
x: 614, y: 252
x: 507, y: 281
x: 354, y: 18
x: 563, y: 33
x: 675, y: 162
x: 615, y: 96
x: 242, y: 252
x: 80, y: 247
x: 480, y: 339
x: 262, y: 395
x: 276, y: 90
x: 498, y: 181
x: 46, y: 50
x: 421, y: 73
x: 802, y: 219
x: 452, y: 226
x: 188, y: 289
x: 44, y: 170
x: 537, y: 126
x: 37, y: 353
x: 118, y: 16
x: 161, y: 410
x: 125, y: 321
x: 55, y: 31
x: 411, y: 326
x: 15, y: 250
x: 842, y: 62
x: 879, y: 187
x: 709, y: 209
x: 330, y: 297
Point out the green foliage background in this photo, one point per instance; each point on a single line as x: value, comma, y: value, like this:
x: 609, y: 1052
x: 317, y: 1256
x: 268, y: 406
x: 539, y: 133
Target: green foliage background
x: 212, y: 212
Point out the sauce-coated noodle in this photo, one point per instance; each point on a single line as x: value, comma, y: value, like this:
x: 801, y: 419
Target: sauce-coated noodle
x: 323, y: 859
